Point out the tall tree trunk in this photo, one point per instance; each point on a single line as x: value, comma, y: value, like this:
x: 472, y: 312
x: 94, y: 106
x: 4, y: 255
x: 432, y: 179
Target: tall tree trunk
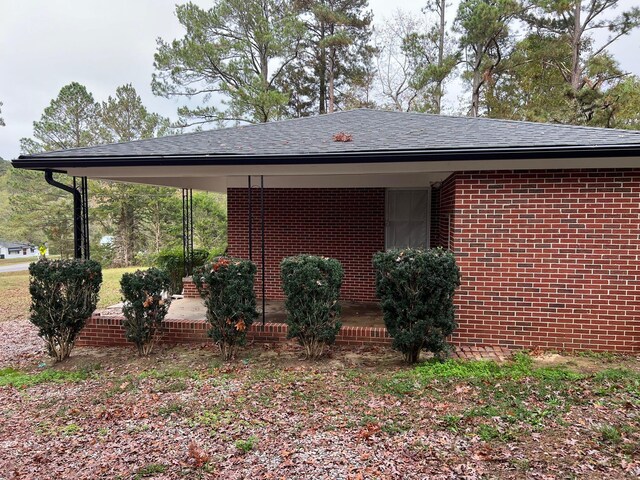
x: 475, y: 94
x: 476, y: 83
x: 322, y: 74
x: 126, y: 236
x: 157, y: 226
x: 331, y: 79
x: 438, y: 93
x: 264, y: 74
x: 158, y: 237
x: 576, y: 41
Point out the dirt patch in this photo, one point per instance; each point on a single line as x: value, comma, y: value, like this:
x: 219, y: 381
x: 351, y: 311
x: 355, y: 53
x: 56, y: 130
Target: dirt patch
x: 587, y: 362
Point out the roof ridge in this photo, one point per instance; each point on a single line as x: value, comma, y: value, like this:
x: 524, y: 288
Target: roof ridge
x: 501, y: 120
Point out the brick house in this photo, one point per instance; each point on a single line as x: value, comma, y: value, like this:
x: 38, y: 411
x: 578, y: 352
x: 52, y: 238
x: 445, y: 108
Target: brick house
x: 544, y: 219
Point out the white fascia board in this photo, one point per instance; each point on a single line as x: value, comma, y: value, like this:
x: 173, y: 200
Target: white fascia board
x: 352, y: 168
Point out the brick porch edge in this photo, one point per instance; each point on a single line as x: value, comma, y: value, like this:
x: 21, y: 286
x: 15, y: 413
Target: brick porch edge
x: 107, y: 330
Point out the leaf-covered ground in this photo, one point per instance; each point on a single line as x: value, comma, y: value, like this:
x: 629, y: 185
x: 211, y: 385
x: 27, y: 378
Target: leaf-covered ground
x: 356, y: 415
x: 183, y: 414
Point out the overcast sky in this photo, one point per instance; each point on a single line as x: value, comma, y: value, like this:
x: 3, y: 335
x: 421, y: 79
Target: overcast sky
x: 46, y: 44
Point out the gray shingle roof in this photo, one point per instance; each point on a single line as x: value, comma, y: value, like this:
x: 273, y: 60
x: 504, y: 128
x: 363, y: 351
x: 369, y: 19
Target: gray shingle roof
x: 371, y: 130
x: 7, y: 244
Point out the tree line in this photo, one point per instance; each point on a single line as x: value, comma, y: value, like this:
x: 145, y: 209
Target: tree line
x: 540, y: 60
x: 251, y: 61
x: 128, y: 222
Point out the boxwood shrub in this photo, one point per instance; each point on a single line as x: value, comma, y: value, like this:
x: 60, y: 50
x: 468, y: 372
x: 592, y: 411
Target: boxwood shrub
x: 416, y: 289
x: 64, y: 294
x: 145, y: 294
x: 312, y: 288
x: 226, y: 285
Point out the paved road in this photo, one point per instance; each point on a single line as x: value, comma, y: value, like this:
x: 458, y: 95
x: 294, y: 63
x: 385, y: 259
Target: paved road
x: 16, y: 267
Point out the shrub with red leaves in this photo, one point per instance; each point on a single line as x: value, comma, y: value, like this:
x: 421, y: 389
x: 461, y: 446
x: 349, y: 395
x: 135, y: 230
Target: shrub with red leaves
x: 226, y: 285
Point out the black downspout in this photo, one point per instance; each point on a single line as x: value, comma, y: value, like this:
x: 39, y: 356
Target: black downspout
x: 77, y: 212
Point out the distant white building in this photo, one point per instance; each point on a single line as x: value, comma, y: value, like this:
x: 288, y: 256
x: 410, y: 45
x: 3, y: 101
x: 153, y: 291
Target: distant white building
x: 18, y: 250
x: 107, y: 240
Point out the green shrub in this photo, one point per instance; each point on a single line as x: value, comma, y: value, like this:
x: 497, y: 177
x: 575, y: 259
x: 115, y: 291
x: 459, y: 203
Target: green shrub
x: 312, y: 287
x: 172, y: 261
x: 226, y: 284
x: 416, y: 288
x: 146, y: 303
x: 64, y: 294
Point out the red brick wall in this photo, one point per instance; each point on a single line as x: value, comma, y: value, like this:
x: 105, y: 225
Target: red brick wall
x: 343, y: 223
x: 446, y: 215
x: 107, y: 330
x: 189, y: 289
x: 549, y: 259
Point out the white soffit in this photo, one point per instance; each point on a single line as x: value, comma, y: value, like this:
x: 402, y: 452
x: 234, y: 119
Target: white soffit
x: 383, y: 174
x: 220, y: 184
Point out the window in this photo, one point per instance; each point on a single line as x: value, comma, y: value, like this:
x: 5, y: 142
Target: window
x: 407, y: 219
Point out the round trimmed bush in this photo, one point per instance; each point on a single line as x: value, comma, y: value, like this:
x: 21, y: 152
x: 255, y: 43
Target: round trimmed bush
x: 226, y: 285
x: 146, y: 303
x: 64, y: 294
x: 312, y: 288
x: 416, y: 289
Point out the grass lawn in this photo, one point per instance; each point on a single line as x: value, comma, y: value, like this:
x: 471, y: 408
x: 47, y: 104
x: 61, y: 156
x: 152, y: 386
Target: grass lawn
x: 181, y: 413
x: 14, y: 261
x: 14, y: 292
x: 110, y: 289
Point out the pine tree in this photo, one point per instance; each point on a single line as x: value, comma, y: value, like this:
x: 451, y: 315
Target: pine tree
x: 588, y: 69
x: 233, y: 53
x: 337, y: 52
x: 485, y: 37
x: 129, y: 211
x: 40, y: 212
x: 415, y: 59
x: 68, y: 122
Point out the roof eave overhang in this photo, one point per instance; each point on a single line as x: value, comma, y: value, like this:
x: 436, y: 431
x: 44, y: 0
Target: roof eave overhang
x: 61, y: 163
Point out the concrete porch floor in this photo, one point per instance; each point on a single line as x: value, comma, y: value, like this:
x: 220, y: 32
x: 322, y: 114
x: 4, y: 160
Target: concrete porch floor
x: 355, y: 314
